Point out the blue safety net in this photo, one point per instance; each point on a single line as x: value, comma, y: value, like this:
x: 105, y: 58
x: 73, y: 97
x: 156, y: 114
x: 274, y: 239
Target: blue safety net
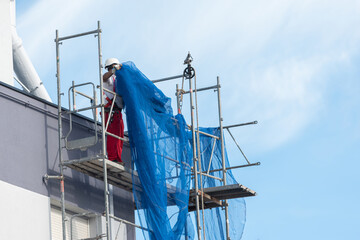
x: 162, y: 156
x: 215, y: 227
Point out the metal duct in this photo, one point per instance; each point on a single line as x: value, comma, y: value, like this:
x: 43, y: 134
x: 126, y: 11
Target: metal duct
x: 23, y: 67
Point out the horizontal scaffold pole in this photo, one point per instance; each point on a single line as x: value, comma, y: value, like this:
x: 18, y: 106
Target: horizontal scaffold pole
x: 116, y: 136
x: 77, y: 161
x: 204, y: 133
x: 241, y: 124
x: 229, y: 168
x: 83, y: 94
x: 167, y: 79
x: 82, y: 109
x: 202, y: 89
x: 129, y: 223
x: 77, y: 35
x: 211, y: 176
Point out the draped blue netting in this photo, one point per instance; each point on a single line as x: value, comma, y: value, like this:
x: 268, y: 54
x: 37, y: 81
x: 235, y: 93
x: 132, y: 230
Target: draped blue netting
x: 162, y: 156
x: 161, y: 152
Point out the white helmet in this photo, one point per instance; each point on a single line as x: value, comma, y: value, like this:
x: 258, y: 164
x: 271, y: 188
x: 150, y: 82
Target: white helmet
x: 111, y: 61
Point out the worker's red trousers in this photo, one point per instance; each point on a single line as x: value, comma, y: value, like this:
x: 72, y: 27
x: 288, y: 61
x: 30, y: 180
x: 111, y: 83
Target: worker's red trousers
x: 113, y: 145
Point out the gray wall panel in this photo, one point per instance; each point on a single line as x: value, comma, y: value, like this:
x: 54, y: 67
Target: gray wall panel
x: 29, y: 149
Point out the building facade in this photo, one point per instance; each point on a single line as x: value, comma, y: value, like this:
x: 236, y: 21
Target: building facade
x: 30, y: 206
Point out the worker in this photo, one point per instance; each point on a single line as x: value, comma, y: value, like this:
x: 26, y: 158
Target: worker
x: 116, y: 125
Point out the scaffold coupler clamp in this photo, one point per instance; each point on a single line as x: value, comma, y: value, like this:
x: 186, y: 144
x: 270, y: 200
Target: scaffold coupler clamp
x: 46, y: 177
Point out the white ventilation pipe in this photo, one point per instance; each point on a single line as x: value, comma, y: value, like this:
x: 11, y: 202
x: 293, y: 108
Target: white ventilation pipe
x: 23, y: 67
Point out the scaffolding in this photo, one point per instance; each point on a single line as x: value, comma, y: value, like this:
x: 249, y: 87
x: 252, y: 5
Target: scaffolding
x: 96, y: 166
x: 100, y: 167
x: 204, y: 198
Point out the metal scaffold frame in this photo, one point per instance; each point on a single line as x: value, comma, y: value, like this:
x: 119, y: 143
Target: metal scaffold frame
x: 92, y: 164
x: 190, y: 75
x: 110, y: 172
x: 58, y: 41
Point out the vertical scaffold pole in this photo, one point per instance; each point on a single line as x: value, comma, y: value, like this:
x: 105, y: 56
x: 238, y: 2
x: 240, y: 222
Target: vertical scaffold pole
x: 223, y: 155
x: 62, y: 192
x: 106, y: 187
x: 199, y: 159
x: 178, y: 99
x: 188, y: 75
x: 195, y: 162
x: 179, y: 112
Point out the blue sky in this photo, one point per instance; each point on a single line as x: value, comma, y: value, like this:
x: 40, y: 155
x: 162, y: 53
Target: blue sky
x: 291, y: 65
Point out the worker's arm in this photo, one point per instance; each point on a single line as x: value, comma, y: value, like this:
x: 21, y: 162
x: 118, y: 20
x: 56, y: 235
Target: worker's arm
x: 110, y: 72
x: 107, y: 75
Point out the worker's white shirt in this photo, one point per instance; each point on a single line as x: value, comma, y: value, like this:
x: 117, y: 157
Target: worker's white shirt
x: 109, y: 84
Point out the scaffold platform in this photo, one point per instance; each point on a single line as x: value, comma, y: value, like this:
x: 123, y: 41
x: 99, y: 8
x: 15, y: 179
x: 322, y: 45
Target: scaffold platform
x: 121, y: 176
x: 118, y: 175
x: 213, y: 196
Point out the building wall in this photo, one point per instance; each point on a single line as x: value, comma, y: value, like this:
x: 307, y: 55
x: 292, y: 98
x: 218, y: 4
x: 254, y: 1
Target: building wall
x: 24, y: 213
x: 6, y: 62
x: 29, y: 150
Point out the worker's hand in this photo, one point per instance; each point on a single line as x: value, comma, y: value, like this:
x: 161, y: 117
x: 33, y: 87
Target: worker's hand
x: 118, y: 66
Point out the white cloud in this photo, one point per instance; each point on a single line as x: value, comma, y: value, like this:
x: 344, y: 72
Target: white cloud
x: 284, y: 79
x: 38, y: 24
x: 284, y: 97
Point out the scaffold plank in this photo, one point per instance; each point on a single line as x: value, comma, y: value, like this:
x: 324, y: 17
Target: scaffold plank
x: 117, y: 174
x: 213, y: 196
x: 230, y: 191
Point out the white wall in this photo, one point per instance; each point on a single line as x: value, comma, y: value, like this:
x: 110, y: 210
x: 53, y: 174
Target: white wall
x: 24, y: 214
x: 6, y: 62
